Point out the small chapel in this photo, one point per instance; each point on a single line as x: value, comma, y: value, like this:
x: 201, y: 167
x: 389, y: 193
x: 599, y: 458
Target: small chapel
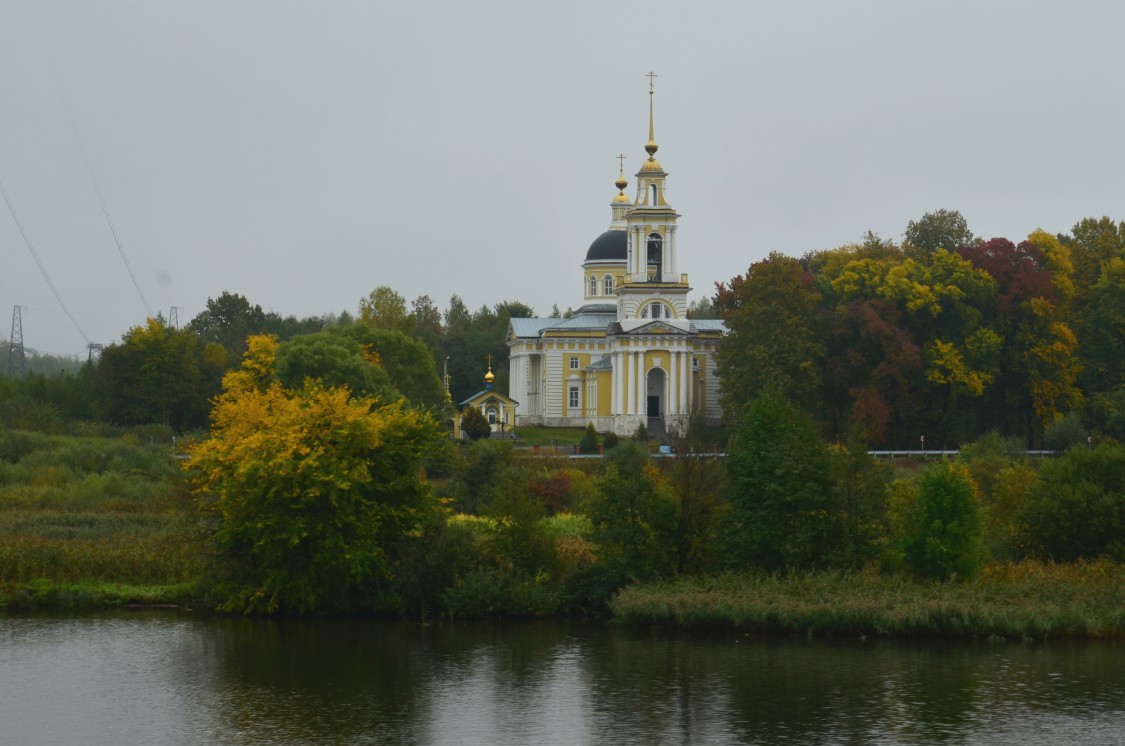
x: 630, y: 355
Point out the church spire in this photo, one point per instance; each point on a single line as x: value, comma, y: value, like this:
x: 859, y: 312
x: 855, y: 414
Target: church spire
x: 651, y: 146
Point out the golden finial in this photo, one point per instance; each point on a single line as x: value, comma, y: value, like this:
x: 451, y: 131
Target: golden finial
x: 488, y: 377
x: 621, y: 182
x: 651, y: 147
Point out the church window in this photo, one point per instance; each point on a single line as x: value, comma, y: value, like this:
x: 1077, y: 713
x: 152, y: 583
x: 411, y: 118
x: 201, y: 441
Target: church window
x: 655, y: 256
x: 572, y: 399
x: 655, y: 195
x: 574, y: 363
x: 608, y: 283
x: 593, y: 285
x: 492, y: 415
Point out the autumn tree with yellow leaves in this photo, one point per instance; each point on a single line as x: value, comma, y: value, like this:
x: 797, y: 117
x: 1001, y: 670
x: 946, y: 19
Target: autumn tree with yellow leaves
x: 309, y: 493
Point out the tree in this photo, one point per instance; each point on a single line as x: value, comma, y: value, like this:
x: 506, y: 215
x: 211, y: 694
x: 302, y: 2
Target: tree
x: 1103, y: 334
x: 773, y: 318
x: 427, y: 323
x: 702, y: 309
x: 589, y: 442
x: 939, y: 524
x: 383, y: 308
x: 941, y: 229
x: 782, y: 514
x: 309, y: 494
x: 474, y: 424
x: 633, y: 514
x: 157, y: 375
x: 406, y: 360
x: 1077, y: 508
x: 1095, y: 241
x: 859, y: 485
x: 228, y: 320
x: 335, y: 361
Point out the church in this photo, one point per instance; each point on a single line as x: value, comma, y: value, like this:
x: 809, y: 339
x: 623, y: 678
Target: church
x: 630, y: 355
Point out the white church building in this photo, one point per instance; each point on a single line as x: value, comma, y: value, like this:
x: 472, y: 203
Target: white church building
x: 630, y: 355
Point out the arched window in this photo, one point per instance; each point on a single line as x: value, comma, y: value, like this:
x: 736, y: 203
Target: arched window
x: 655, y: 255
x: 608, y: 285
x: 655, y: 195
x: 655, y: 311
x: 593, y: 285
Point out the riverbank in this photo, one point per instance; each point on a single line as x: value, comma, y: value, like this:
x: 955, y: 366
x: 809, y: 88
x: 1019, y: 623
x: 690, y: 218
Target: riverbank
x: 1029, y: 600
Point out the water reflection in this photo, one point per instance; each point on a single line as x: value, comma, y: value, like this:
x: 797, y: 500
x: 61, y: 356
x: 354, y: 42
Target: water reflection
x: 163, y: 678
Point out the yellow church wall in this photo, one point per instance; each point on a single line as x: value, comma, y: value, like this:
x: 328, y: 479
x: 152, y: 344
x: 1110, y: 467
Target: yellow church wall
x: 605, y: 393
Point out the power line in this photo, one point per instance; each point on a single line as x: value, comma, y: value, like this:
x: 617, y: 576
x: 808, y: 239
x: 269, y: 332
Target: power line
x: 90, y: 170
x: 35, y: 256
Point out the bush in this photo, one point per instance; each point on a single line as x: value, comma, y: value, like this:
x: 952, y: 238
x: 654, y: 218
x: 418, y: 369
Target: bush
x: 782, y: 513
x: 1077, y: 508
x: 1065, y: 433
x: 474, y: 424
x: 589, y: 442
x: 939, y: 528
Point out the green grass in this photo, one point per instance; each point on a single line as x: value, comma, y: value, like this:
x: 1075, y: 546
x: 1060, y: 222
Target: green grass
x: 548, y: 436
x: 1029, y: 600
x: 43, y: 594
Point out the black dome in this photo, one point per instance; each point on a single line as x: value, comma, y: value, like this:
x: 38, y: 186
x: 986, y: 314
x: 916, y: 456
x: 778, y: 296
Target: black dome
x: 611, y: 246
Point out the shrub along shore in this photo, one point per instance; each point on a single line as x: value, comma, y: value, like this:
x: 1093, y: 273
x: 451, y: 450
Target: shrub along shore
x: 1028, y: 600
x: 103, y: 518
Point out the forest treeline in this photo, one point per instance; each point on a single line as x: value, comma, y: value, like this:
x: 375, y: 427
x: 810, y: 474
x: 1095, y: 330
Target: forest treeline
x: 320, y: 477
x: 944, y: 337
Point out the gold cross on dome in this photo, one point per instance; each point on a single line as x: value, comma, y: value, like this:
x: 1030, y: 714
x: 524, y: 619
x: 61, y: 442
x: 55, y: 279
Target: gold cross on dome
x: 621, y: 160
x: 650, y: 75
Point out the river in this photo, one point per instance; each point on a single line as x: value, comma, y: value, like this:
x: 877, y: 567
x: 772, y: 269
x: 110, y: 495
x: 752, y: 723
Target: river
x: 169, y: 678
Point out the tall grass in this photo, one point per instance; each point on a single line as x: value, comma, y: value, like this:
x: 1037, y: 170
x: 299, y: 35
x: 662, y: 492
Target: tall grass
x: 90, y: 520
x: 1026, y: 600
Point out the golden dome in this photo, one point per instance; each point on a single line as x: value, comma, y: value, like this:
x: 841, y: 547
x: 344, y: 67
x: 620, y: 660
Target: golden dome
x: 652, y: 165
x: 622, y: 197
x: 488, y: 377
x: 621, y: 182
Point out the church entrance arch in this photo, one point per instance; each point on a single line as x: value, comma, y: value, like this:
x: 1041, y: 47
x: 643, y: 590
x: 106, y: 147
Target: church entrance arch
x: 656, y: 390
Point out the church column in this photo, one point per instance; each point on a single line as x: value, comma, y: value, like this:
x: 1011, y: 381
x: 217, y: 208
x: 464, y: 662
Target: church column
x: 638, y: 251
x: 673, y: 383
x: 685, y: 380
x: 618, y: 382
x: 670, y: 260
x: 638, y: 383
x: 689, y: 379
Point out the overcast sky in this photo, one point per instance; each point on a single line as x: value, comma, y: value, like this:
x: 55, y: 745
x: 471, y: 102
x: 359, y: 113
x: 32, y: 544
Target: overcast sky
x: 304, y: 153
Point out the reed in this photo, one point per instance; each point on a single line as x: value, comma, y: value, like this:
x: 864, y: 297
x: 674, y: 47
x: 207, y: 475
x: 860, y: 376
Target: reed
x: 1028, y: 600
x: 91, y: 521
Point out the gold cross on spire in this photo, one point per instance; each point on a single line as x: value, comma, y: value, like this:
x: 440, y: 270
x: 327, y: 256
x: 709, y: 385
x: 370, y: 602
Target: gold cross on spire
x: 651, y: 147
x: 621, y: 160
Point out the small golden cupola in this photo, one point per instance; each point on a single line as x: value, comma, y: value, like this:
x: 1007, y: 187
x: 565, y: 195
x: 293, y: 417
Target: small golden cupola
x: 489, y: 378
x: 621, y: 183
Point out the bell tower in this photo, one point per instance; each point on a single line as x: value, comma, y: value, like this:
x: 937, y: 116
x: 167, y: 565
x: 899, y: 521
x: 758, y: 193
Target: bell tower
x: 651, y: 272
